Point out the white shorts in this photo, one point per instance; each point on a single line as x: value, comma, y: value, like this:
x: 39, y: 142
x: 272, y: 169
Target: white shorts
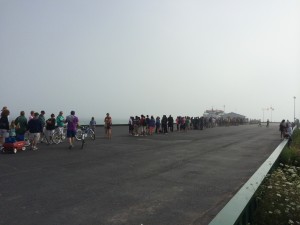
x: 34, y: 136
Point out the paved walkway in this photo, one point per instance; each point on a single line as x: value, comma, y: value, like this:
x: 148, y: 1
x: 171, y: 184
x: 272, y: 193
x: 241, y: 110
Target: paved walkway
x: 174, y: 179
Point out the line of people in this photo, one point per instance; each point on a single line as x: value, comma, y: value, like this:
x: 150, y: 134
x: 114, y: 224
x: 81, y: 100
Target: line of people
x: 148, y: 125
x: 37, y: 127
x: 286, y: 130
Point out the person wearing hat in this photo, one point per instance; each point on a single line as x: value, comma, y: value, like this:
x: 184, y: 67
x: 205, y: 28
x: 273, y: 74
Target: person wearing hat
x: 35, y: 128
x: 107, y: 125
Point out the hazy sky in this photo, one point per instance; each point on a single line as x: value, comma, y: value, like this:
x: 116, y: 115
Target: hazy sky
x: 150, y: 57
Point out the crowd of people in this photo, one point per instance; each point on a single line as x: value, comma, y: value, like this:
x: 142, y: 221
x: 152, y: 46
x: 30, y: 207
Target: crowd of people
x: 286, y: 130
x: 148, y: 125
x: 36, y: 126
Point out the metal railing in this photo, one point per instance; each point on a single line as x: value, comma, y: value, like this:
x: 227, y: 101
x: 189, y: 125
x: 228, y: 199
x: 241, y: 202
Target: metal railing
x: 239, y: 209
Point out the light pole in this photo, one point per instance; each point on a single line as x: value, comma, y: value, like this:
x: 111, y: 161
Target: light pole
x: 294, y: 108
x: 263, y: 109
x: 272, y: 109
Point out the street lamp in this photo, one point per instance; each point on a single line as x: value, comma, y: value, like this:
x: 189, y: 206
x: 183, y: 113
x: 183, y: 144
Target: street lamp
x: 294, y: 109
x: 272, y: 109
x: 263, y: 109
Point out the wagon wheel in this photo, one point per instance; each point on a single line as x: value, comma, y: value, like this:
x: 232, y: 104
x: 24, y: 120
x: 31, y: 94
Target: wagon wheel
x: 23, y: 148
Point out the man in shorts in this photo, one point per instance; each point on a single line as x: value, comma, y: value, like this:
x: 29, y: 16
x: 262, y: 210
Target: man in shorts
x: 60, y: 121
x: 72, y: 123
x: 35, y: 128
x: 43, y: 121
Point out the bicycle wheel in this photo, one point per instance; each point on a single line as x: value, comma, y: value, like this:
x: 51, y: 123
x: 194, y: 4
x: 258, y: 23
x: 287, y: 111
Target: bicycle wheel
x: 78, y: 135
x: 56, y: 137
x: 92, y: 134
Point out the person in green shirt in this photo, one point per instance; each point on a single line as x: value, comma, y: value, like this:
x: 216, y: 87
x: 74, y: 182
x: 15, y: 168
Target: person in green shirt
x: 21, y: 126
x: 60, y: 122
x: 43, y: 121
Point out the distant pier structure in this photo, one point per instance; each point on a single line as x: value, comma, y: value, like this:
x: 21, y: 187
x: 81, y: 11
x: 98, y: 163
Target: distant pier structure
x: 216, y: 113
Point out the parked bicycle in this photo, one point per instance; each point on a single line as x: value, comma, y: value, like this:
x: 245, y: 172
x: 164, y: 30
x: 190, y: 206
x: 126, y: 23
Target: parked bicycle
x: 84, y: 132
x: 57, y: 136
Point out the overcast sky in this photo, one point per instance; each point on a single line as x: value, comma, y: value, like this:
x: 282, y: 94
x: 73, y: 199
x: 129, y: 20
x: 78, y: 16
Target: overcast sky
x: 153, y: 57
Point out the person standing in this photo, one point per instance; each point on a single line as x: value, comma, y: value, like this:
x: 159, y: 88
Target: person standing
x: 282, y: 129
x: 50, y: 127
x: 142, y: 125
x: 42, y: 118
x: 107, y: 125
x: 164, y: 124
x: 72, y: 123
x: 151, y: 125
x: 12, y: 129
x: 170, y: 123
x: 268, y: 123
x: 35, y: 128
x: 93, y: 124
x: 31, y: 115
x: 157, y: 124
x: 147, y: 124
x: 136, y: 123
x: 43, y: 121
x: 60, y: 121
x: 4, y: 125
x: 21, y: 126
x: 130, y: 125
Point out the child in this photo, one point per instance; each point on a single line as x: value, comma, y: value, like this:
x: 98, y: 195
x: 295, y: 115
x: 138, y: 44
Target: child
x: 11, y: 133
x: 93, y: 124
x: 12, y: 129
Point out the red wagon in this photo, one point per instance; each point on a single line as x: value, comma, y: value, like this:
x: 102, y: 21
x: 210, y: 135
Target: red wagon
x: 14, y: 147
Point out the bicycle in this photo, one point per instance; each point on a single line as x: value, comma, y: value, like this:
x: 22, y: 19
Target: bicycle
x: 58, y: 136
x: 45, y: 138
x: 84, y: 132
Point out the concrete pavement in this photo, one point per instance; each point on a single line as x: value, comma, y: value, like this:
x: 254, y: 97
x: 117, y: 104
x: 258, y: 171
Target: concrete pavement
x: 174, y: 179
